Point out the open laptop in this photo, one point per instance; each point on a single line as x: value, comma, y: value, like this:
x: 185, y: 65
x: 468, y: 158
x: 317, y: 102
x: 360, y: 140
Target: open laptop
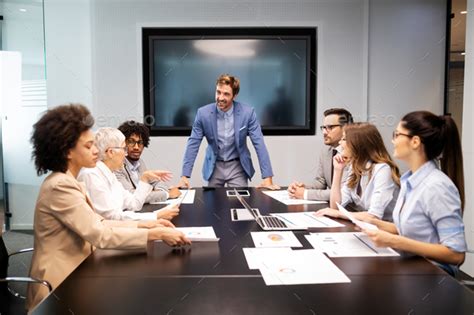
x: 267, y: 222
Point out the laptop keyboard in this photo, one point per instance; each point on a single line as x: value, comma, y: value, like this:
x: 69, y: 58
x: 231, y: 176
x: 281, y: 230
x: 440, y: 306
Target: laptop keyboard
x: 273, y: 222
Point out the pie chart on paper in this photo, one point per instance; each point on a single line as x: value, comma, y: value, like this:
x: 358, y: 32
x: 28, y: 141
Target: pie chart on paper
x: 275, y: 237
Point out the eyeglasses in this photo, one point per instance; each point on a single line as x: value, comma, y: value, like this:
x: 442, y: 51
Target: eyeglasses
x: 395, y: 135
x: 131, y: 143
x: 329, y: 127
x: 124, y: 149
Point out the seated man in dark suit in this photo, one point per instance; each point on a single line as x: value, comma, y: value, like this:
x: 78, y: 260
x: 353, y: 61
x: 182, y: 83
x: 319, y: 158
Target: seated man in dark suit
x: 226, y: 125
x: 137, y: 137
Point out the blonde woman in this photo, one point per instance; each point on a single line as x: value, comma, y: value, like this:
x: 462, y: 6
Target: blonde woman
x: 373, y: 178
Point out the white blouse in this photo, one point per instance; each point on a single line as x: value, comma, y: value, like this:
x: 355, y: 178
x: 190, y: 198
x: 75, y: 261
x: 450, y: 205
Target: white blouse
x: 379, y: 192
x: 109, y: 197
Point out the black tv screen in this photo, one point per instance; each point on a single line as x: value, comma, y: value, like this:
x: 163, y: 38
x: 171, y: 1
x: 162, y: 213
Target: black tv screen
x: 276, y: 68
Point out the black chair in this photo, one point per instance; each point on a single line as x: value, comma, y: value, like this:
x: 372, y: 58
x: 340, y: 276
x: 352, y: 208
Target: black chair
x: 11, y: 301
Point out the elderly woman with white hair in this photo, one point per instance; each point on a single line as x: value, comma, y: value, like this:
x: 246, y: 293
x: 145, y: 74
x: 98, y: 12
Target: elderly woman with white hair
x: 107, y: 194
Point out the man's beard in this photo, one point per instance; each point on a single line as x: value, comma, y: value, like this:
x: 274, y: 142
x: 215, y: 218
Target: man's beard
x: 130, y: 158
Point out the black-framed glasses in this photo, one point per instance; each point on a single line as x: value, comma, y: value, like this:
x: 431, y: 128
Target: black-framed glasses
x: 395, y: 135
x: 329, y: 127
x: 131, y: 143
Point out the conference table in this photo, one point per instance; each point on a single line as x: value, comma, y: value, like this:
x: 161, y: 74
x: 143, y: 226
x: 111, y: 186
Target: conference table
x: 214, y: 278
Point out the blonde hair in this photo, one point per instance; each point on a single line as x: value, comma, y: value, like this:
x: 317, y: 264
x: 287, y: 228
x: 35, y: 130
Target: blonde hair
x: 366, y: 144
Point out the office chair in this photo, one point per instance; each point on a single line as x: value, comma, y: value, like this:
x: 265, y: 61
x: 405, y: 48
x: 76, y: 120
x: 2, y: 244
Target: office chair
x: 13, y: 302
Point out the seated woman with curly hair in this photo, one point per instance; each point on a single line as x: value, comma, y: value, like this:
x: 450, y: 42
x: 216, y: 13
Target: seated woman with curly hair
x: 66, y: 228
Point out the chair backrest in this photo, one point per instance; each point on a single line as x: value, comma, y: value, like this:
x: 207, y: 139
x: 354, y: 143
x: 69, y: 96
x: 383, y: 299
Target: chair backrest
x: 9, y: 304
x: 3, y: 267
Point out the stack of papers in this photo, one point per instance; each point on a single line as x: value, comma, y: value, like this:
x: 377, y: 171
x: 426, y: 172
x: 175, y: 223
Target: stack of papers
x: 284, y: 197
x: 275, y: 239
x: 307, y: 220
x: 348, y: 244
x: 199, y: 234
x: 283, y: 266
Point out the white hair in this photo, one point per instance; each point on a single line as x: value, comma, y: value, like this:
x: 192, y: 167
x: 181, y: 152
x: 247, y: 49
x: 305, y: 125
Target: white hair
x: 106, y: 138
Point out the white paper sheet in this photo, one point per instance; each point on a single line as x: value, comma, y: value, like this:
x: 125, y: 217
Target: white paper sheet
x: 187, y: 198
x: 307, y: 220
x: 255, y: 256
x: 199, y: 234
x: 284, y: 197
x: 275, y: 239
x: 361, y: 224
x: 306, y: 266
x: 347, y: 244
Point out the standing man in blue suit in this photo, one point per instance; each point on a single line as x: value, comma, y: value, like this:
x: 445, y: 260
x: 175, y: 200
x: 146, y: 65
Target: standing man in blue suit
x: 226, y: 125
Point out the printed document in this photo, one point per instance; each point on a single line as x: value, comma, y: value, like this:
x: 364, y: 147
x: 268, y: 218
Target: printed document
x: 275, y: 239
x: 284, y: 197
x: 348, y: 244
x: 307, y: 220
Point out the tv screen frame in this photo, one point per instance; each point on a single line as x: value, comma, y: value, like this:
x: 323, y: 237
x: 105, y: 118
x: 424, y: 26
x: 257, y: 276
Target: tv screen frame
x: 150, y: 34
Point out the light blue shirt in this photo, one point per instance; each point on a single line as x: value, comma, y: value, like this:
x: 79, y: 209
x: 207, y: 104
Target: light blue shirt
x: 132, y: 167
x: 428, y: 208
x: 379, y: 192
x: 225, y: 134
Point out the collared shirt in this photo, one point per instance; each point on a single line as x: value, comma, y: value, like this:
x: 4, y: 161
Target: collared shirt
x: 225, y: 135
x: 378, y: 193
x: 132, y: 168
x: 109, y: 197
x: 429, y: 208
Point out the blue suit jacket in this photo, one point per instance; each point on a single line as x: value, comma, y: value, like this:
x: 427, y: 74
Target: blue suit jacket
x: 245, y: 124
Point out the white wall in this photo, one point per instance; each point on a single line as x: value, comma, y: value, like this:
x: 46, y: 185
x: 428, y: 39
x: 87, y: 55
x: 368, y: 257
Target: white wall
x: 376, y: 58
x: 404, y: 70
x: 467, y: 132
x: 406, y: 61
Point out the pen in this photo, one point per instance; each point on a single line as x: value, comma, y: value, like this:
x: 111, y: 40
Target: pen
x: 242, y: 128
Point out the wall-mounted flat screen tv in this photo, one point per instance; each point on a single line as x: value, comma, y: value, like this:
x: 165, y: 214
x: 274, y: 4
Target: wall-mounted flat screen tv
x: 276, y: 68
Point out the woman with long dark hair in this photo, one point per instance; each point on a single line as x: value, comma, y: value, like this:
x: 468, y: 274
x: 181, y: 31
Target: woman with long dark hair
x: 427, y: 219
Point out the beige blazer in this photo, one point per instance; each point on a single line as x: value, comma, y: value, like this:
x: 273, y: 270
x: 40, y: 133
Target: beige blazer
x: 66, y: 231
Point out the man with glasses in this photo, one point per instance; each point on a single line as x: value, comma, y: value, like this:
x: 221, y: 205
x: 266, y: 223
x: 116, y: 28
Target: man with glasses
x: 334, y: 121
x: 137, y: 137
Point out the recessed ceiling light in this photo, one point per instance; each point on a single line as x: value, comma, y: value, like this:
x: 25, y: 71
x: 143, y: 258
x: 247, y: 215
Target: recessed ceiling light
x: 22, y: 10
x: 463, y: 53
x: 463, y: 12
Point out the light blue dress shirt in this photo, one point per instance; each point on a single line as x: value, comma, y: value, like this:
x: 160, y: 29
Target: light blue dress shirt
x: 379, y: 192
x: 428, y: 209
x: 133, y: 171
x: 226, y: 135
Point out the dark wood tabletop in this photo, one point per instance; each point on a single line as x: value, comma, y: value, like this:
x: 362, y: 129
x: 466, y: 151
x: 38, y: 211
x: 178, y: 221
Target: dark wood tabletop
x: 214, y: 278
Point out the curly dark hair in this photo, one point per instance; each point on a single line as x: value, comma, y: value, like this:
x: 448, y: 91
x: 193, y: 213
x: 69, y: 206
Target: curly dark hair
x: 56, y: 133
x: 131, y: 127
